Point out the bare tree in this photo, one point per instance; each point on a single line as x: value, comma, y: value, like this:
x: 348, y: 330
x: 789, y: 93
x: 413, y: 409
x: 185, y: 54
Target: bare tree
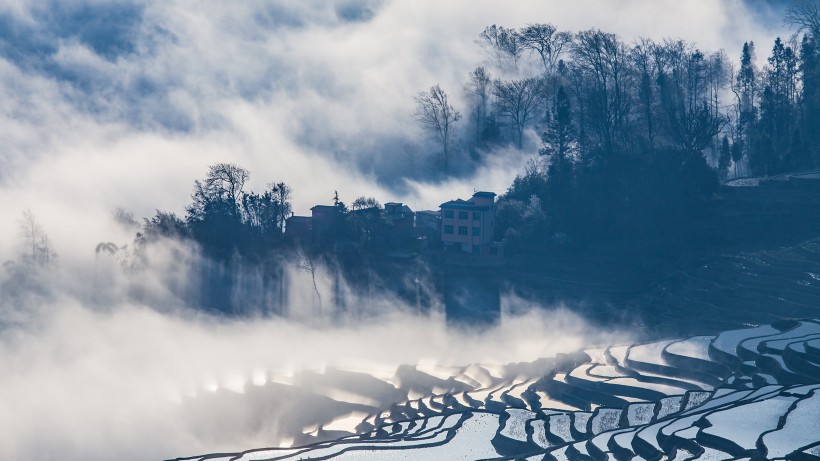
x: 31, y: 231
x: 643, y: 57
x: 479, y: 89
x: 687, y: 86
x: 308, y: 265
x: 805, y: 14
x: 38, y: 246
x: 600, y: 60
x: 367, y: 221
x: 437, y: 116
x: 503, y: 44
x: 519, y: 101
x: 547, y: 42
x: 224, y: 182
x: 719, y: 76
x: 364, y: 203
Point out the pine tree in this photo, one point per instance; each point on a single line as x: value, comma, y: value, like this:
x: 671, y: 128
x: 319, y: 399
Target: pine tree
x: 747, y: 88
x: 810, y: 98
x: 725, y: 158
x: 559, y: 139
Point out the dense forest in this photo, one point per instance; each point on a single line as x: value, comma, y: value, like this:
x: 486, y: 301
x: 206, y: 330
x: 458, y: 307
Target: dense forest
x: 635, y: 136
x: 634, y: 141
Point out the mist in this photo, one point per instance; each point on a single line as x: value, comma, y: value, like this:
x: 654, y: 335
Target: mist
x: 130, y: 110
x: 125, y: 104
x: 90, y: 375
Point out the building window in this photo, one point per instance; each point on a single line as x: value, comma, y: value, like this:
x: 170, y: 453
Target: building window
x: 462, y: 230
x: 476, y: 216
x: 463, y: 215
x: 448, y: 214
x: 476, y: 250
x: 448, y: 229
x: 476, y: 231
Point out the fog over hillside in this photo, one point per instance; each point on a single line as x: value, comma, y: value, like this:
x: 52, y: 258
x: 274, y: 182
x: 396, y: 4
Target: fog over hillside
x: 124, y: 104
x: 128, y: 382
x: 108, y: 104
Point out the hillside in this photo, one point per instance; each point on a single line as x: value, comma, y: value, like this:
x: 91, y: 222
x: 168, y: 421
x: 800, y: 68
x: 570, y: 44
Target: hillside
x: 751, y: 257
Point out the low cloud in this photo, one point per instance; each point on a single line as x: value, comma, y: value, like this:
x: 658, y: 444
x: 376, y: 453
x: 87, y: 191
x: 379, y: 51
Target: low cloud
x: 132, y: 106
x: 106, y: 104
x: 91, y: 374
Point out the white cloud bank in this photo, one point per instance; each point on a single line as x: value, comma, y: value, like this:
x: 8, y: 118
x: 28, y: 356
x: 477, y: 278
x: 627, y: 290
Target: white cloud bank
x: 128, y: 382
x: 315, y: 93
x: 318, y: 94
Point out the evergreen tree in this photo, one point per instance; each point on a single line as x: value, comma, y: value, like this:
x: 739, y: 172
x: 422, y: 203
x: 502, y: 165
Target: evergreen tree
x: 737, y: 154
x: 560, y: 145
x: 725, y: 159
x: 747, y: 91
x: 810, y: 98
x: 559, y: 139
x: 775, y: 127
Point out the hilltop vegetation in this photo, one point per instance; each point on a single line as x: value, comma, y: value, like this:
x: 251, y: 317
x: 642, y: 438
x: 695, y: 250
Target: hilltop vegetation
x: 633, y: 141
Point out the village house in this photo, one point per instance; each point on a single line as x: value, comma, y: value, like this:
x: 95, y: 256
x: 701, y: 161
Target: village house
x: 467, y: 225
x: 324, y: 217
x: 298, y: 228
x: 402, y: 221
x: 428, y: 229
x: 395, y: 224
x: 322, y: 222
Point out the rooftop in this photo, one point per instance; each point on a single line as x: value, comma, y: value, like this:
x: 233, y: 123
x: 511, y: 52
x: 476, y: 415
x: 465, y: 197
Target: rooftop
x: 470, y: 204
x: 463, y: 204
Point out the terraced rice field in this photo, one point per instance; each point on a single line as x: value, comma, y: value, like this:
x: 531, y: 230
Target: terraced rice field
x: 751, y: 393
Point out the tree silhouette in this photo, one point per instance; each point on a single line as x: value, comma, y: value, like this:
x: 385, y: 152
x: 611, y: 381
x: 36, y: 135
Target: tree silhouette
x: 519, y: 101
x: 38, y: 252
x: 437, y: 117
x: 547, y: 42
